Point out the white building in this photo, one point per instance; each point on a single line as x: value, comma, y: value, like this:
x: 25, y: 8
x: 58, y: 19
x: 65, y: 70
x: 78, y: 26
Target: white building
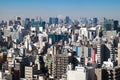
x: 81, y: 73
x: 83, y: 31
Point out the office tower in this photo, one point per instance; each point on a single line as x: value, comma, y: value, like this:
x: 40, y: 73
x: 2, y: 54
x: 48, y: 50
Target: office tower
x: 82, y: 58
x: 43, y: 24
x: 30, y: 71
x: 95, y: 20
x: 116, y: 23
x: 93, y: 55
x: 110, y: 49
x: 32, y: 20
x: 118, y: 54
x: 36, y: 24
x: 53, y: 20
x: 101, y: 54
x: 108, y: 73
x: 50, y: 20
x: 67, y: 20
x: 91, y: 34
x: 110, y: 24
x: 56, y: 20
x: 57, y: 37
x: 18, y: 21
x: 10, y: 23
x: 51, y: 58
x: 27, y: 23
x: 60, y: 63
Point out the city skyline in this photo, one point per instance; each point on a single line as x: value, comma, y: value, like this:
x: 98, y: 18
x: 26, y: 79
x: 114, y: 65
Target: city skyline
x: 59, y: 40
x: 61, y: 8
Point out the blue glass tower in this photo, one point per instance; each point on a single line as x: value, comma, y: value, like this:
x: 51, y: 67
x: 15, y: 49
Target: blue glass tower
x: 56, y: 20
x: 50, y: 20
x: 43, y: 24
x: 94, y: 21
x: 27, y: 23
x: 67, y: 20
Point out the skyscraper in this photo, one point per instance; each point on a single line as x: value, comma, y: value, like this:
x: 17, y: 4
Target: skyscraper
x: 94, y: 21
x: 60, y: 63
x: 110, y: 24
x: 53, y: 20
x: 118, y: 54
x: 67, y: 20
x: 27, y: 23
x: 43, y: 24
x: 116, y: 24
x: 50, y: 20
x: 56, y: 20
x: 101, y: 54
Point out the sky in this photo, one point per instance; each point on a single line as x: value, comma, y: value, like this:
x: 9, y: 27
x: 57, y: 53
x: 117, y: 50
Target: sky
x: 59, y: 8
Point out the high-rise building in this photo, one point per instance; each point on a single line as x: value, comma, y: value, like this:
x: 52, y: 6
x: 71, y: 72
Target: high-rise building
x: 108, y: 74
x: 67, y: 20
x: 101, y: 54
x: 10, y: 23
x: 30, y: 71
x: 27, y: 23
x: 50, y: 20
x: 94, y: 21
x: 43, y: 24
x: 118, y: 54
x: 60, y: 63
x: 56, y: 20
x: 116, y: 23
x: 32, y: 20
x: 53, y: 20
x: 93, y: 55
x: 109, y: 46
x: 110, y: 24
x: 57, y: 37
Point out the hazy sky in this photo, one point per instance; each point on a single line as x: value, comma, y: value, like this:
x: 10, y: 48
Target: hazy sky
x: 72, y: 8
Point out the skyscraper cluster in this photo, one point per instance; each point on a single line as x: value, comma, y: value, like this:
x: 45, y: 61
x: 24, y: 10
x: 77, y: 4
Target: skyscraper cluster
x: 59, y: 49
